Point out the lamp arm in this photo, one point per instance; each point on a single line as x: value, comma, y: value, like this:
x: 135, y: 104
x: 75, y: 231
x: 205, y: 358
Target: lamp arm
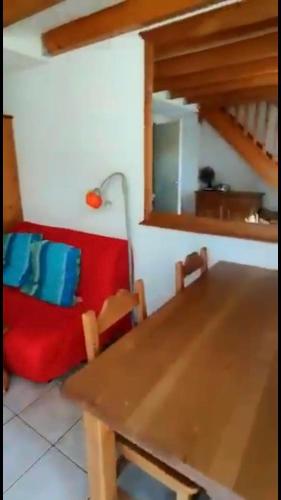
x: 126, y: 203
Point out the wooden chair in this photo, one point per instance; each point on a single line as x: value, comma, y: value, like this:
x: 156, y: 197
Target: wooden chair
x: 114, y: 309
x: 193, y: 262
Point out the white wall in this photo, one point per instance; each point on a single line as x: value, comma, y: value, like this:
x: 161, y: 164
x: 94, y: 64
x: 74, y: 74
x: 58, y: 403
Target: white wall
x: 80, y: 118
x: 190, y: 140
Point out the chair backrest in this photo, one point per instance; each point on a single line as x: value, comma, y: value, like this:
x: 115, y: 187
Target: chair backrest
x: 114, y: 308
x: 193, y: 262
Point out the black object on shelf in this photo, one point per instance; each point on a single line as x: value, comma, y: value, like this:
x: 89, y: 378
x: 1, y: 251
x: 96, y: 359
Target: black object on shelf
x: 207, y: 177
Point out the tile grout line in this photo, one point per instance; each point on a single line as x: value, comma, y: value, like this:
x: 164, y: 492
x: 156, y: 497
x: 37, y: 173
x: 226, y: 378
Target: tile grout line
x: 31, y: 427
x: 55, y: 383
x: 44, y: 437
x: 10, y: 418
x: 39, y: 434
x: 27, y: 470
x: 41, y: 456
x: 70, y: 428
x: 70, y: 459
x: 34, y: 430
x: 29, y: 404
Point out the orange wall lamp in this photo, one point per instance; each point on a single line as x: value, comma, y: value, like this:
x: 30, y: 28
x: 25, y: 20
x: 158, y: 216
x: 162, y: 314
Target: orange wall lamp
x: 96, y: 199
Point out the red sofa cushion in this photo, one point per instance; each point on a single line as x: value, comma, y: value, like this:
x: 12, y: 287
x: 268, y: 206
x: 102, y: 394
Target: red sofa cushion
x: 44, y: 341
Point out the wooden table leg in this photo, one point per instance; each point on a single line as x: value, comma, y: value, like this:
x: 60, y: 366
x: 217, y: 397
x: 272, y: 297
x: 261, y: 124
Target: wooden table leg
x: 101, y: 459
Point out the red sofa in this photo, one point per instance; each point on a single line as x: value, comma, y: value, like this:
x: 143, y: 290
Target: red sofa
x: 45, y: 341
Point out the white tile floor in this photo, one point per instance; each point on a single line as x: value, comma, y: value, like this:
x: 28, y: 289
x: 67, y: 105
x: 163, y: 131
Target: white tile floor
x: 44, y: 449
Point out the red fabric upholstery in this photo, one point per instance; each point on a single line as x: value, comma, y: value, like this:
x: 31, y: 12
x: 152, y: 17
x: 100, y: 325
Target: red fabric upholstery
x: 44, y: 341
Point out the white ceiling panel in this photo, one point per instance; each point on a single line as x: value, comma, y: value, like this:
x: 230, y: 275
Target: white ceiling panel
x: 62, y: 13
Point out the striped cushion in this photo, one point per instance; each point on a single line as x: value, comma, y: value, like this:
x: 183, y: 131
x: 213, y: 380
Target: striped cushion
x: 31, y: 281
x: 55, y: 273
x: 7, y: 240
x: 17, y: 258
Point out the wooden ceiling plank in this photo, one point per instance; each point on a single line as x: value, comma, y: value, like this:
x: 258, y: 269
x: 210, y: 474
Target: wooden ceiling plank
x: 235, y: 53
x: 126, y: 16
x: 253, y: 82
x: 16, y: 10
x: 268, y: 94
x: 227, y: 73
x: 216, y: 40
x: 232, y: 20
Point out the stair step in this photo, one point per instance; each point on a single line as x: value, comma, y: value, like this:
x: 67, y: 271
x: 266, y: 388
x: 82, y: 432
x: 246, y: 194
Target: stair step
x: 163, y: 95
x: 179, y: 100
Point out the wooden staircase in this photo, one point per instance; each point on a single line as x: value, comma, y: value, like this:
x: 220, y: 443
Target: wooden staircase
x: 252, y: 130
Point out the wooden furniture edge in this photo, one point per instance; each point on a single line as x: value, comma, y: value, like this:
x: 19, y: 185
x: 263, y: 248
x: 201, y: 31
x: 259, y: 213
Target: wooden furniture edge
x: 155, y: 468
x: 12, y: 203
x: 148, y: 126
x: 191, y: 223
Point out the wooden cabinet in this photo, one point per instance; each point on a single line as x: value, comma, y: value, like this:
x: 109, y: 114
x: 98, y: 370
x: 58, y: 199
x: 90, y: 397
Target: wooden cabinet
x: 232, y: 205
x: 12, y: 210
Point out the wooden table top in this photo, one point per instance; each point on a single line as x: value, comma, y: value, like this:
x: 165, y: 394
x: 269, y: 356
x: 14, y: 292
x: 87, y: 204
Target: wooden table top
x: 195, y: 384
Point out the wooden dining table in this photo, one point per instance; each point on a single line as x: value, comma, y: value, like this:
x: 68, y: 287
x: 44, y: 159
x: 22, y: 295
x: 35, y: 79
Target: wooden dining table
x: 195, y: 386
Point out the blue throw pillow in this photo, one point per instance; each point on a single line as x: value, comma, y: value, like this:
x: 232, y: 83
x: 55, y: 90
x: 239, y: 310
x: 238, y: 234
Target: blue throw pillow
x: 31, y: 281
x: 55, y: 273
x: 7, y: 240
x: 18, y: 259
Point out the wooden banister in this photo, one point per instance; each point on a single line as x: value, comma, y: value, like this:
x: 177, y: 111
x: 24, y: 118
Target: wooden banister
x: 246, y: 145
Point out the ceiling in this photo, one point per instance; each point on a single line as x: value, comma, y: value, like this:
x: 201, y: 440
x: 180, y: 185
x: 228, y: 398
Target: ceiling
x: 221, y: 58
x: 22, y: 45
x: 61, y: 13
x: 28, y: 22
x: 64, y: 25
x: 13, y: 61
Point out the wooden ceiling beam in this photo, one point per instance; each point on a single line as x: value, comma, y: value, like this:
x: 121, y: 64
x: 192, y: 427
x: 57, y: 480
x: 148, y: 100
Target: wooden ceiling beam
x: 217, y: 26
x: 253, y: 82
x: 268, y: 94
x: 217, y: 40
x: 16, y: 10
x: 225, y: 74
x: 235, y: 53
x: 126, y: 16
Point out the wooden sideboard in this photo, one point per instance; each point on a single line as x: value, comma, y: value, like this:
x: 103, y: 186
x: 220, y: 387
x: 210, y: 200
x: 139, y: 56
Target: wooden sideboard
x: 12, y: 209
x: 232, y: 205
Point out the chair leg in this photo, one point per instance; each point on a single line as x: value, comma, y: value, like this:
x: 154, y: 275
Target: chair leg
x: 101, y: 459
x: 6, y: 381
x: 179, y: 276
x: 121, y: 465
x: 184, y: 496
x: 91, y: 334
